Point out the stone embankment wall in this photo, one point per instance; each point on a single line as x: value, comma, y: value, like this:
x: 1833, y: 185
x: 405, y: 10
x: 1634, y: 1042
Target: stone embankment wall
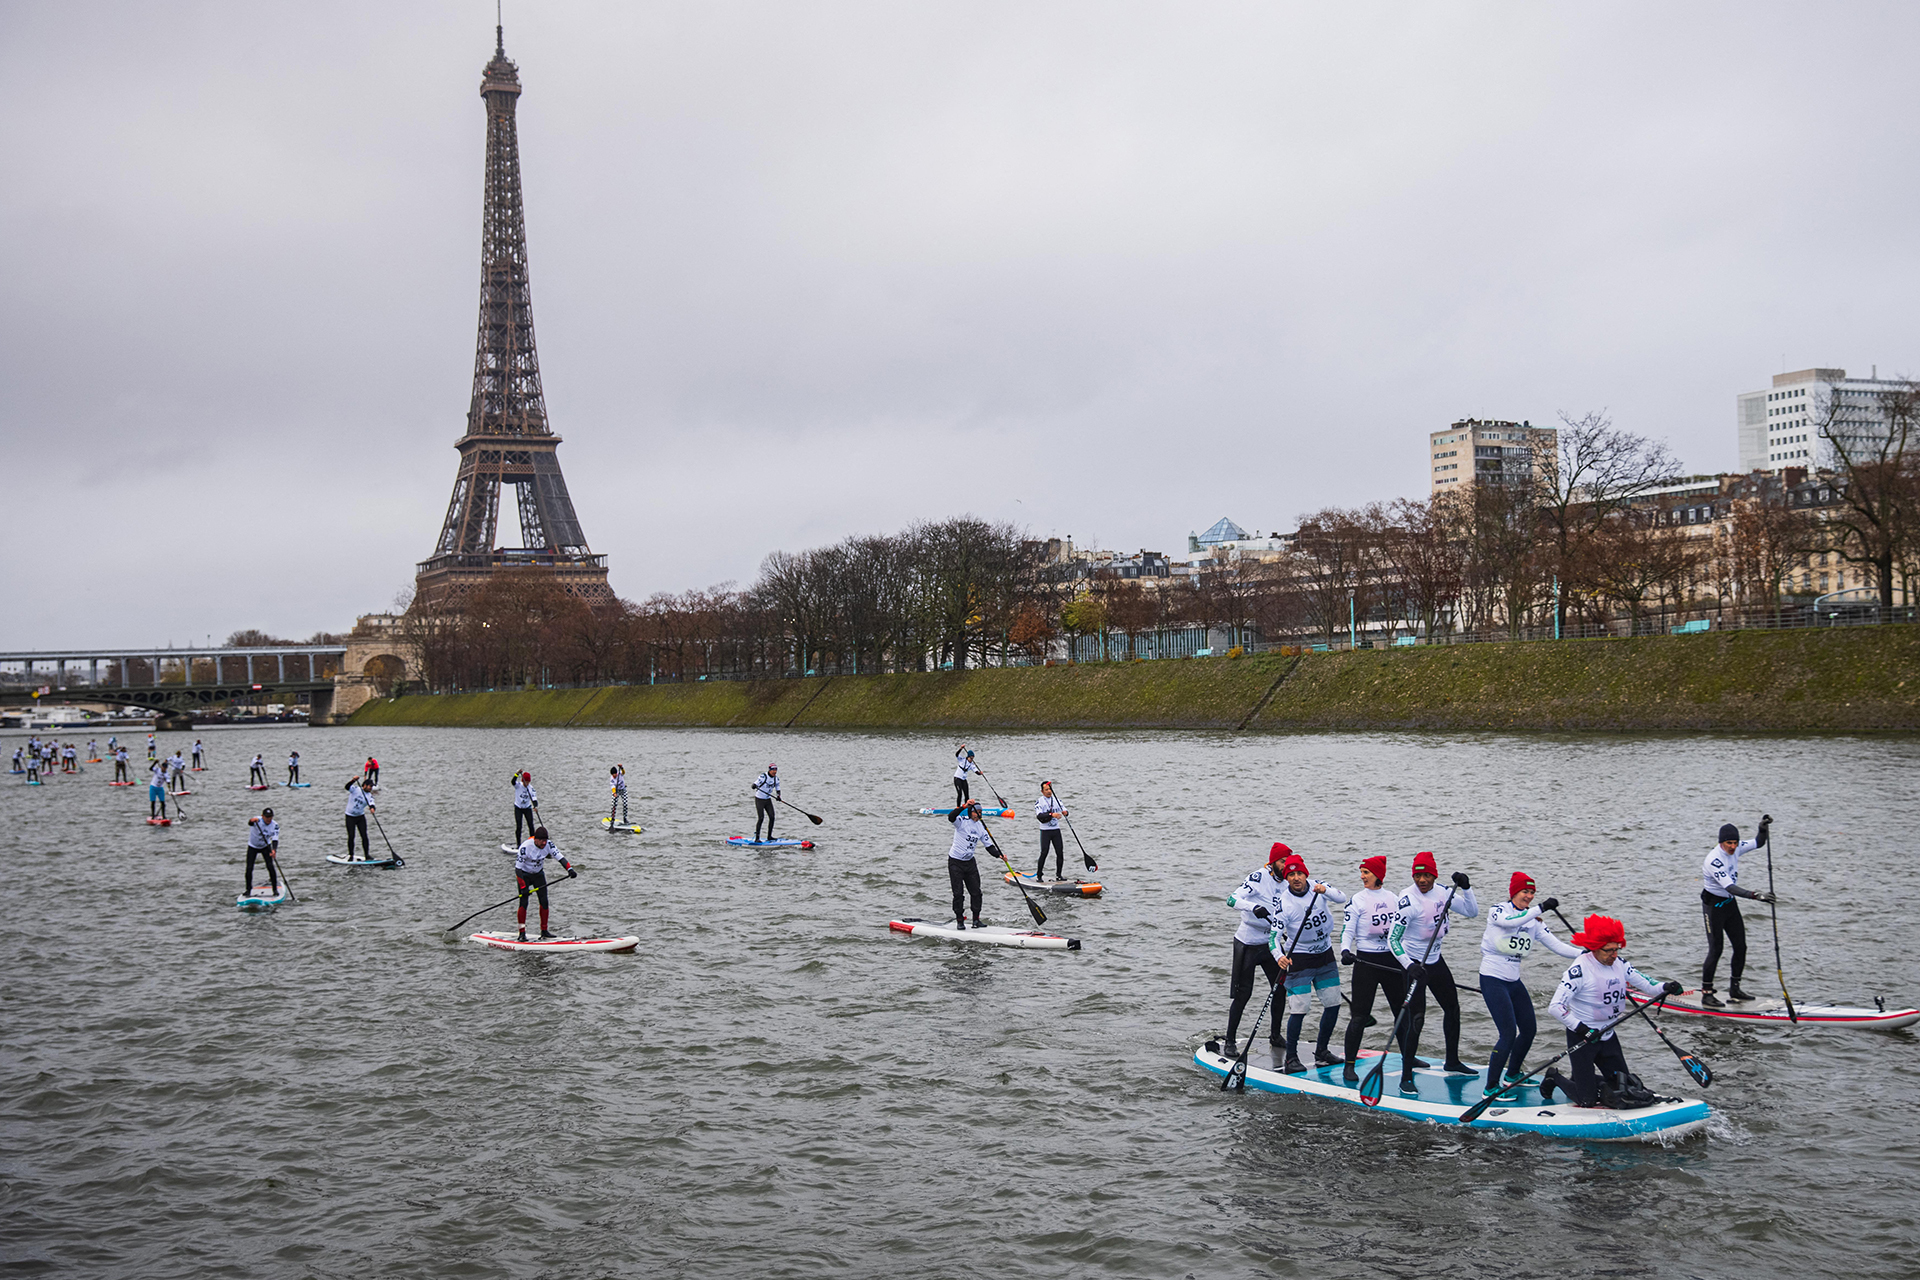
x: 1835, y: 680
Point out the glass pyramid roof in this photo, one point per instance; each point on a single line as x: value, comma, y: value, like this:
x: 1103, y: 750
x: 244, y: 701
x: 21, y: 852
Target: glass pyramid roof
x: 1224, y: 530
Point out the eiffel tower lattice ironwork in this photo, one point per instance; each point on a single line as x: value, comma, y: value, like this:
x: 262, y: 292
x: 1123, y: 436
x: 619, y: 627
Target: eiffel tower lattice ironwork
x: 508, y: 441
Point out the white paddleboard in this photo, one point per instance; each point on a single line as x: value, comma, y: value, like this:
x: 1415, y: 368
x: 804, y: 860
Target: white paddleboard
x: 1073, y: 888
x: 511, y: 942
x: 987, y: 935
x: 1774, y: 1012
x: 986, y: 811
x: 342, y: 860
x: 748, y: 842
x: 263, y: 896
x: 626, y: 828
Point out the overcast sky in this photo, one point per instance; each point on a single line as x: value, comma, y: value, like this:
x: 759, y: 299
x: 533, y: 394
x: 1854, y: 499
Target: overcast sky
x: 809, y: 270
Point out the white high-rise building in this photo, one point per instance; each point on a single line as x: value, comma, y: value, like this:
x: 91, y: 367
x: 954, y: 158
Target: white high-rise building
x: 1780, y: 427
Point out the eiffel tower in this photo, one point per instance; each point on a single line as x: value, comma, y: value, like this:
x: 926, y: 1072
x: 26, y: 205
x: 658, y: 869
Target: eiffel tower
x: 508, y: 441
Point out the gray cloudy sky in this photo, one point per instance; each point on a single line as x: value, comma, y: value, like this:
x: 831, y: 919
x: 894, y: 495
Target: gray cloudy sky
x: 807, y: 270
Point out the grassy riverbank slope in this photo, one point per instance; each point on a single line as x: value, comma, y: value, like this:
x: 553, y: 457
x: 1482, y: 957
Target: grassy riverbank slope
x: 1841, y: 679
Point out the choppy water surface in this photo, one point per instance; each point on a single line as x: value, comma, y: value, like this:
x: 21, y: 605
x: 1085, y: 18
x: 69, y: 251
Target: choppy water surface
x: 774, y: 1085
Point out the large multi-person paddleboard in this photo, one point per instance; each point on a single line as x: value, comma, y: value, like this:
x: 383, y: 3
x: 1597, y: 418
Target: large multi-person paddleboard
x: 991, y: 935
x: 262, y: 897
x: 1444, y: 1098
x: 552, y: 946
x: 628, y: 828
x: 986, y: 811
x: 748, y: 842
x: 342, y: 860
x: 1074, y: 888
x: 1774, y: 1012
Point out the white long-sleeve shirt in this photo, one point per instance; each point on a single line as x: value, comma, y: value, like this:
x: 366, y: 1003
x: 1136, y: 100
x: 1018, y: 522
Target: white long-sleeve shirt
x: 531, y: 857
x: 1720, y: 873
x: 1510, y: 935
x: 969, y: 837
x: 1596, y: 993
x: 1261, y: 889
x: 1306, y: 916
x: 1048, y: 811
x: 962, y: 767
x: 524, y: 796
x: 1370, y: 917
x: 1422, y: 917
x: 619, y: 783
x: 358, y: 801
x: 262, y: 834
x: 766, y: 786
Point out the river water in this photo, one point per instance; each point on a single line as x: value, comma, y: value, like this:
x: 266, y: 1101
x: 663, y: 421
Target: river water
x: 775, y: 1085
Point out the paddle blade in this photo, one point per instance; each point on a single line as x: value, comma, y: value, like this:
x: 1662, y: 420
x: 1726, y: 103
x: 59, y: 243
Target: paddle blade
x: 1039, y: 916
x: 1236, y: 1077
x: 1374, y: 1084
x: 815, y: 821
x: 1091, y: 864
x: 1697, y: 1069
x: 1478, y: 1109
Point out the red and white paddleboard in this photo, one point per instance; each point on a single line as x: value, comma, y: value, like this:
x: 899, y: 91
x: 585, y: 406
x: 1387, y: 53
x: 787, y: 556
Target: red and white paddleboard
x: 120, y: 784
x: 256, y: 786
x: 159, y: 822
x: 1846, y: 1017
x: 511, y: 942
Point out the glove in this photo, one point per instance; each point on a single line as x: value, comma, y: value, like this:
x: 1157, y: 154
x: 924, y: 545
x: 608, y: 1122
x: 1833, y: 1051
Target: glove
x: 1417, y: 970
x: 1551, y: 904
x: 1767, y: 898
x: 1583, y: 1031
x: 1346, y: 957
x: 1766, y: 819
x: 1460, y: 880
x: 1671, y: 987
x: 572, y: 874
x: 1263, y: 913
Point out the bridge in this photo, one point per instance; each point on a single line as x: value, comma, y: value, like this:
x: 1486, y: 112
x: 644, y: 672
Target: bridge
x: 174, y: 683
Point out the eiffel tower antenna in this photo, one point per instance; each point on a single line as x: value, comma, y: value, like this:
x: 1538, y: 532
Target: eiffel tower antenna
x: 508, y: 441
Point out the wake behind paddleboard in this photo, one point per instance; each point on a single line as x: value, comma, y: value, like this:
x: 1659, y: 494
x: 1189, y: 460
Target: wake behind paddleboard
x: 1774, y: 1012
x: 986, y: 811
x: 748, y: 842
x: 1075, y: 888
x: 262, y: 897
x: 625, y: 828
x: 1444, y: 1098
x: 342, y: 860
x: 986, y: 935
x: 553, y: 946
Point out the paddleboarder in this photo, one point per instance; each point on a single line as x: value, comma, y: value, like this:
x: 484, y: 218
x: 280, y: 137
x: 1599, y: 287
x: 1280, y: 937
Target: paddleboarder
x: 524, y: 798
x: 177, y: 768
x: 1258, y: 902
x: 530, y: 869
x: 293, y: 767
x: 963, y: 769
x: 963, y: 872
x: 257, y: 770
x: 766, y: 789
x: 121, y: 769
x: 618, y: 813
x: 1512, y: 929
x: 1719, y: 887
x: 1423, y: 911
x: 1363, y: 944
x: 1593, y: 995
x: 1306, y: 921
x: 19, y: 760
x: 370, y: 773
x: 199, y: 756
x: 157, y: 789
x: 359, y: 805
x: 263, y: 841
x: 1049, y: 811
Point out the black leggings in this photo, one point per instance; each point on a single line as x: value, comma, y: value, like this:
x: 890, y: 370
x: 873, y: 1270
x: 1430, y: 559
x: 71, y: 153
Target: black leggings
x: 1722, y: 919
x: 293, y: 773
x: 1374, y: 972
x: 964, y: 874
x: 273, y: 868
x: 521, y: 815
x: 762, y: 812
x: 960, y: 793
x: 372, y: 776
x: 358, y: 822
x: 1590, y: 1063
x: 1059, y: 855
x: 1440, y: 983
x: 1247, y: 957
x: 533, y: 882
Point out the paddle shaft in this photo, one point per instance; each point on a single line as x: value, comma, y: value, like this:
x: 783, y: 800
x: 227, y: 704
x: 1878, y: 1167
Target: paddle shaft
x: 1084, y: 855
x: 1039, y: 916
x: 802, y: 812
x: 1475, y: 1111
x: 495, y: 907
x: 996, y: 791
x: 383, y: 833
x: 1238, y: 1071
x: 1372, y: 1086
x: 1779, y: 968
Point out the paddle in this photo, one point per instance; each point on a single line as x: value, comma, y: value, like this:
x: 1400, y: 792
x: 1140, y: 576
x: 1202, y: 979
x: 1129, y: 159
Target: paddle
x: 1000, y: 799
x: 1779, y: 969
x: 802, y: 812
x: 1695, y: 1067
x: 1375, y: 1084
x: 1237, y: 1073
x: 398, y: 861
x: 496, y: 906
x: 1479, y: 1108
x: 1084, y: 855
x: 1039, y: 916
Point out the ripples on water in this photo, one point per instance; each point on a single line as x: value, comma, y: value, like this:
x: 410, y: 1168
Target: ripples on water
x: 776, y: 1086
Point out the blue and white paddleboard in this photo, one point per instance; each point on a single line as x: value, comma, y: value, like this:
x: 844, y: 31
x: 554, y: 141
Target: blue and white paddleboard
x: 986, y: 811
x: 263, y: 897
x: 296, y: 784
x: 342, y: 860
x: 748, y: 842
x: 1444, y: 1098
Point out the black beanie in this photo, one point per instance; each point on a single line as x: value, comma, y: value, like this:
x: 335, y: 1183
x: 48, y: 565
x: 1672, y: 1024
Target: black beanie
x: 1729, y: 832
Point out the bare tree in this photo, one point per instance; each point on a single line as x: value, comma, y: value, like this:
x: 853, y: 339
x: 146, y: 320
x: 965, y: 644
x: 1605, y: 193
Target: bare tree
x: 1870, y: 438
x: 1595, y: 471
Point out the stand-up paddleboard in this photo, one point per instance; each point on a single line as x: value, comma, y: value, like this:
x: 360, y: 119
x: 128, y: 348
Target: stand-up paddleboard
x: 263, y: 897
x: 992, y: 935
x: 179, y: 793
x: 159, y: 822
x: 198, y: 768
x: 1444, y: 1098
x: 628, y: 828
x: 33, y: 782
x: 296, y: 784
x: 1073, y: 888
x: 553, y: 946
x: 342, y: 860
x: 986, y: 811
x: 1774, y: 1012
x: 120, y: 784
x: 748, y: 842
x: 251, y: 786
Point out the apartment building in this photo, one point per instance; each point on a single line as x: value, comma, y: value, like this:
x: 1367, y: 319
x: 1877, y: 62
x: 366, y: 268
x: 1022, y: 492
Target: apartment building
x: 1475, y: 451
x: 1780, y: 426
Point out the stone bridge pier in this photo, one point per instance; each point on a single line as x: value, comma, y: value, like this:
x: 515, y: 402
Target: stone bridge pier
x: 378, y: 657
